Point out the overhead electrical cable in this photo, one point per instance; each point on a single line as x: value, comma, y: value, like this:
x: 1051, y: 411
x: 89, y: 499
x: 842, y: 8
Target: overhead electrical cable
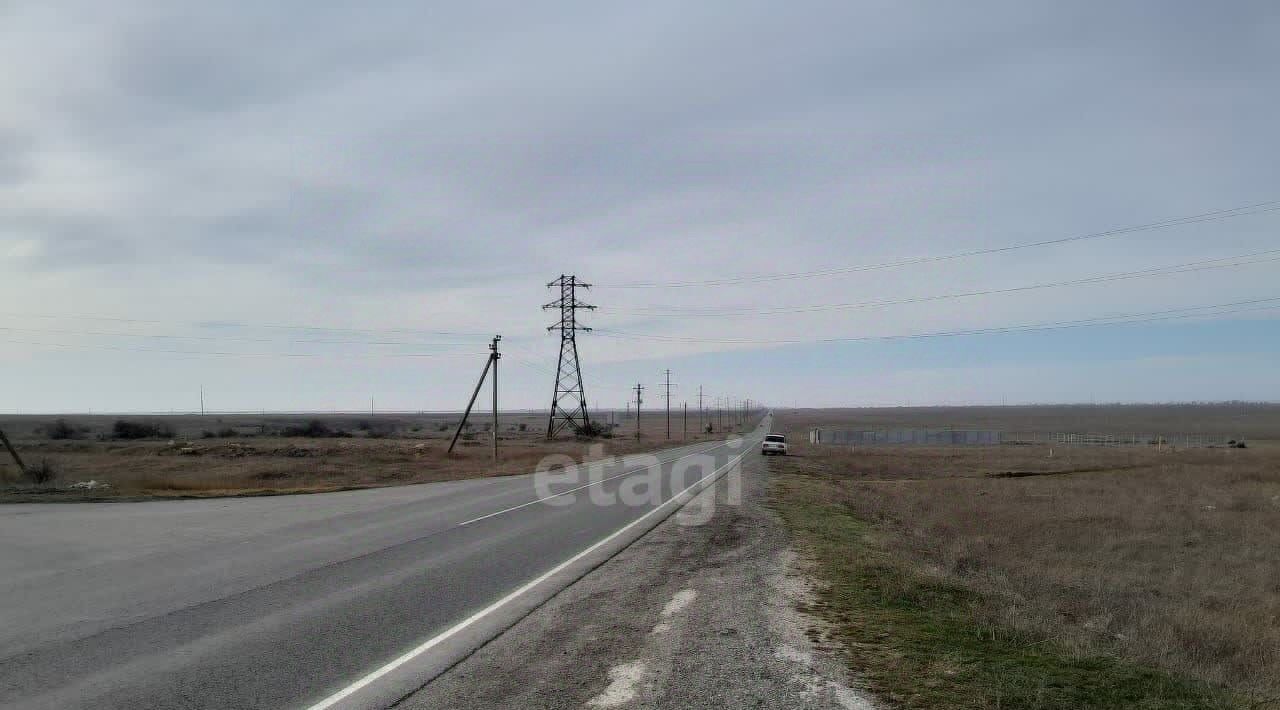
x: 1121, y: 319
x: 1270, y: 255
x: 230, y: 353
x: 1216, y: 215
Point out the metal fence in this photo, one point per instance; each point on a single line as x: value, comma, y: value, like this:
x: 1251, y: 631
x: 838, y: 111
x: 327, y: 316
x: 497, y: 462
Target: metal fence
x: 992, y: 437
x: 1175, y: 440
x: 919, y: 437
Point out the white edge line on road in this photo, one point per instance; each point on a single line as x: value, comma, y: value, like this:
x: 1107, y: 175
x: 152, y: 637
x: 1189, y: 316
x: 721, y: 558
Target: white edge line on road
x: 588, y: 485
x: 461, y: 625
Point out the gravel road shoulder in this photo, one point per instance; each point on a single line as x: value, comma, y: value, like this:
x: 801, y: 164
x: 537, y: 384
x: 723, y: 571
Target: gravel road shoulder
x: 690, y: 616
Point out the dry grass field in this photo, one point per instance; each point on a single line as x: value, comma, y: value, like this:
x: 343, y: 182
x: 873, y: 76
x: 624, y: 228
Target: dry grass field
x: 190, y: 455
x: 1092, y: 577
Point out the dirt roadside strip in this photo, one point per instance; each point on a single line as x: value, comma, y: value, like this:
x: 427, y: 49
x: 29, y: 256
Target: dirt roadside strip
x: 698, y: 613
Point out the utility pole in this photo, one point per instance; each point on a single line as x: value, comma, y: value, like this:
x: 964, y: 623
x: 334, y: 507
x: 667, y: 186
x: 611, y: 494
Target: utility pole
x: 700, y: 427
x: 491, y: 361
x: 668, y: 403
x: 202, y: 400
x: 639, y: 389
x: 568, y: 386
x: 495, y: 357
x: 22, y: 468
x: 684, y: 423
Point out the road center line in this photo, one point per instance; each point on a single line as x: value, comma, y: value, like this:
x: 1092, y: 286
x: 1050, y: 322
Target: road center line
x: 436, y: 640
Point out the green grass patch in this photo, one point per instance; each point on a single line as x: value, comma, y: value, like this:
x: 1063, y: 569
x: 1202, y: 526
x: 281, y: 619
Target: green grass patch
x: 915, y: 643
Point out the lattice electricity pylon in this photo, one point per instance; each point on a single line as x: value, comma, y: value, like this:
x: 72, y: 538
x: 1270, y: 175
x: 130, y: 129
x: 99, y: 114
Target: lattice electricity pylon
x: 569, y: 401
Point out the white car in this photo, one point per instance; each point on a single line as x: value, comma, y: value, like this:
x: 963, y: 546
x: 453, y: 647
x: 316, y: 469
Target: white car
x: 774, y: 444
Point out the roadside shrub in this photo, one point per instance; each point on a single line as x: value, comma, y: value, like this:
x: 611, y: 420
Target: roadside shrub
x: 589, y: 430
x: 206, y: 434
x: 710, y: 429
x: 125, y: 429
x: 42, y: 472
x: 523, y: 426
x: 227, y: 433
x: 60, y: 429
x: 315, y: 429
x: 364, y: 425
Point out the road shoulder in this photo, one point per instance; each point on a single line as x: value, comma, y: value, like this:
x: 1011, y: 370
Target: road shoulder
x: 700, y: 612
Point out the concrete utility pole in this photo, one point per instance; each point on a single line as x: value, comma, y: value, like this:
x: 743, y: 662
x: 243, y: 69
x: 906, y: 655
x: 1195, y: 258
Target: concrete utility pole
x: 684, y: 423
x: 202, y: 400
x: 639, y: 389
x: 491, y: 361
x: 493, y: 355
x: 668, y: 403
x: 700, y: 426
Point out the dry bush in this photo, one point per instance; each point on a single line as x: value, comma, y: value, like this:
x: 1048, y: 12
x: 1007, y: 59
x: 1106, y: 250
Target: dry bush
x: 41, y: 472
x: 125, y: 429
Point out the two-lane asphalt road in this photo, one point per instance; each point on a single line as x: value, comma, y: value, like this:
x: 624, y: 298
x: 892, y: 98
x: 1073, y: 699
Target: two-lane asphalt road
x: 338, y: 600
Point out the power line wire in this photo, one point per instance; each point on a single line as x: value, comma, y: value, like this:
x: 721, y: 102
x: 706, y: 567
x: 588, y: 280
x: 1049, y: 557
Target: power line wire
x: 229, y: 353
x: 228, y: 338
x: 1216, y: 215
x: 1123, y: 319
x: 1271, y: 255
x: 240, y: 324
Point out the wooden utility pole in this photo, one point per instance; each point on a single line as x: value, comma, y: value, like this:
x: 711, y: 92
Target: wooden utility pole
x: 700, y: 426
x: 639, y: 389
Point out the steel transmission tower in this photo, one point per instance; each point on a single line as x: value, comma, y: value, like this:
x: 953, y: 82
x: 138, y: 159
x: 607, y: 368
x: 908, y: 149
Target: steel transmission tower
x: 569, y: 401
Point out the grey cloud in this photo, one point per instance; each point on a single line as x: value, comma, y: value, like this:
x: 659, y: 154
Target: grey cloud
x: 338, y: 141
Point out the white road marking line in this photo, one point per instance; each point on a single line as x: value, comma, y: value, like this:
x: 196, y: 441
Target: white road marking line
x: 622, y: 686
x: 682, y: 599
x: 436, y: 640
x: 588, y: 485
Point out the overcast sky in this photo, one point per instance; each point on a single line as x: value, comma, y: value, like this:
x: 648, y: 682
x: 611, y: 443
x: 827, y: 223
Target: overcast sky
x: 178, y: 177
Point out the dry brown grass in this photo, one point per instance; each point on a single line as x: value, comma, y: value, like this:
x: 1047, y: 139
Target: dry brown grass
x: 1166, y: 559
x: 1250, y: 420
x: 412, y: 449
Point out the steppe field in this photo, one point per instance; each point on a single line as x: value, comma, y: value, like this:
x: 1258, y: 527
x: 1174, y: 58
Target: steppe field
x: 1045, y: 576
x: 246, y: 454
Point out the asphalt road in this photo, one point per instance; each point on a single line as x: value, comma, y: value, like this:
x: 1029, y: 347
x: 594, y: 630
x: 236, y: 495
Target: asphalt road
x: 352, y: 599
